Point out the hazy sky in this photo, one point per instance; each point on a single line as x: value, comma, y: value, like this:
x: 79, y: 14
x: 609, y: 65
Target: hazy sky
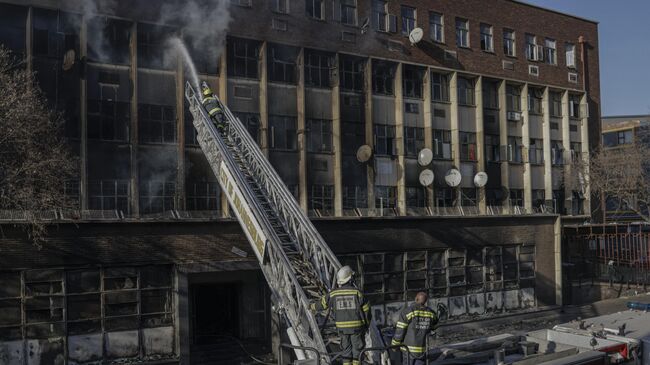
x: 624, y: 33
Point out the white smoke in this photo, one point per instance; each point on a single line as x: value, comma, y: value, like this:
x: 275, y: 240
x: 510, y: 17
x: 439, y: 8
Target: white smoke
x: 90, y: 9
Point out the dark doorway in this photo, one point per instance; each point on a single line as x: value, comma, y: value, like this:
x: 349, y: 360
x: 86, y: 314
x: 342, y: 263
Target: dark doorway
x: 216, y: 311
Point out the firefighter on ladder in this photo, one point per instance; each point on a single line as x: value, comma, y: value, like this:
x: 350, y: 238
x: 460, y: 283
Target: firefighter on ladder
x: 213, y: 106
x: 415, y: 323
x: 351, y: 314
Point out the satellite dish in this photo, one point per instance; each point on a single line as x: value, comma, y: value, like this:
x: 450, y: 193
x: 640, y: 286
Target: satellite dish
x: 480, y: 179
x: 426, y: 177
x: 416, y: 35
x: 68, y: 59
x: 364, y: 153
x: 453, y: 177
x: 425, y: 157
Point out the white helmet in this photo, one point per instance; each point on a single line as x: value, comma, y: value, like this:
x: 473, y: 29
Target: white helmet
x: 344, y: 275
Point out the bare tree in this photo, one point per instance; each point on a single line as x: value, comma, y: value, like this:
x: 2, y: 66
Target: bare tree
x: 35, y: 161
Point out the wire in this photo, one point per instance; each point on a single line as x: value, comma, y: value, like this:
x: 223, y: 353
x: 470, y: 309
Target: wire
x: 238, y: 341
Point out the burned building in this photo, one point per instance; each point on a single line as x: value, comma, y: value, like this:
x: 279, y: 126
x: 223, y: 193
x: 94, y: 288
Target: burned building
x: 151, y: 266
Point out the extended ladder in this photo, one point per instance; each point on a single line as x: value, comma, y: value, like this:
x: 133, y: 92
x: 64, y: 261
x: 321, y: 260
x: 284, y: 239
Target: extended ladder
x: 297, y: 263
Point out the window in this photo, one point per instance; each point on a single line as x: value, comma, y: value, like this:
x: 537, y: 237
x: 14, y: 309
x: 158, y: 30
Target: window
x: 490, y: 95
x: 462, y: 32
x: 514, y: 149
x: 487, y: 39
x: 351, y: 73
x: 536, y: 152
x: 539, y: 199
x: 492, y: 150
x: 109, y: 40
x: 280, y: 6
x: 385, y: 140
x: 408, y: 19
x: 416, y: 197
x: 556, y: 104
x: 570, y: 55
x: 355, y: 197
x: 108, y: 119
x: 412, y: 81
x: 531, y: 47
x: 413, y: 141
x: 574, y: 106
x: 557, y: 153
x: 535, y: 97
x: 465, y: 91
x: 252, y: 123
x: 468, y: 197
x: 380, y: 15
x: 319, y: 135
x: 109, y: 195
x: 576, y: 150
x: 349, y: 12
x: 151, y: 46
x: 613, y: 139
x: 315, y: 8
x: 283, y: 133
x: 442, y: 144
x: 517, y: 197
x: 436, y: 27
x: 509, y: 42
x: 353, y: 135
x: 321, y: 197
x: 383, y: 74
x: 558, y: 201
x: 440, y: 86
x: 513, y: 98
x: 157, y: 195
x: 157, y: 123
x: 468, y: 146
x: 317, y: 69
x: 243, y: 58
x: 550, y: 54
x: 202, y: 195
x: 386, y: 197
x: 282, y: 64
x: 445, y: 196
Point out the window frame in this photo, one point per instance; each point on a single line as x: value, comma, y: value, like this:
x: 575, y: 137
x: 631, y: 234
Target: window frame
x: 570, y: 54
x: 291, y: 139
x: 467, y: 145
x: 487, y: 38
x: 550, y: 50
x: 509, y: 44
x: 346, y: 5
x: 468, y: 90
x: 313, y: 8
x: 325, y: 135
x: 441, y: 144
x: 436, y: 30
x: 408, y: 23
x: 441, y: 81
x: 462, y: 33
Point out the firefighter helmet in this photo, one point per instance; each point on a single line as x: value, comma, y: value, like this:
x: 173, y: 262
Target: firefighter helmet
x: 206, y: 89
x: 344, y: 275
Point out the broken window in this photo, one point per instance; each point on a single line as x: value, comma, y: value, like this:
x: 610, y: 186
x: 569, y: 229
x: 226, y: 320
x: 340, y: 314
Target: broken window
x: 109, y: 195
x: 318, y: 66
x: 109, y: 40
x: 535, y: 98
x: 385, y: 140
x: 10, y: 302
x: 44, y: 303
x: 445, y: 196
x: 510, y: 267
x: 13, y: 21
x: 353, y: 136
x: 383, y: 75
x: 243, y: 56
x: 283, y: 133
x: 351, y: 73
x: 493, y: 268
x: 109, y: 107
x: 468, y: 197
x: 413, y: 140
x: 385, y: 197
x: 157, y: 195
x: 321, y: 197
x: 517, y: 197
x: 456, y: 272
x: 157, y: 123
x: 474, y: 270
x: 153, y: 48
x: 252, y: 123
x: 355, y: 197
x: 83, y: 310
x: 441, y: 144
x: 468, y: 146
x: 315, y: 8
x: 319, y: 135
x: 416, y: 197
x: 202, y: 196
x: 413, y: 81
x: 282, y: 64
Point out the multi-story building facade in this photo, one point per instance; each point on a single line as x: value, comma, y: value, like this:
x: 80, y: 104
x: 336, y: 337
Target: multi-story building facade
x: 497, y: 86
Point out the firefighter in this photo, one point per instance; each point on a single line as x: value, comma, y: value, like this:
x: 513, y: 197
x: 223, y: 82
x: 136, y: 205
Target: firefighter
x: 415, y: 323
x: 213, y: 106
x: 351, y: 313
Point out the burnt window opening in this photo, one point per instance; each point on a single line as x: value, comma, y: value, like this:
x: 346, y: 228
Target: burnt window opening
x: 319, y: 135
x: 109, y: 40
x: 252, y: 123
x: 445, y: 196
x: 468, y: 197
x: 157, y: 195
x: 13, y: 24
x: 318, y: 69
x: 413, y: 81
x: 202, y: 196
x: 439, y: 87
x: 157, y: 124
x: 416, y: 197
x: 108, y: 106
x: 321, y: 198
x: 441, y: 144
x: 152, y: 47
x: 517, y: 197
x: 55, y: 33
x: 385, y: 197
x: 282, y: 133
x: 468, y: 146
x: 466, y: 91
x: 355, y: 197
x: 494, y: 197
x: 413, y: 140
x: 385, y: 144
x: 206, y: 61
x: 315, y: 8
x: 353, y: 136
x: 44, y: 303
x: 492, y: 148
x: 243, y: 56
x: 109, y: 195
x: 191, y: 135
x: 351, y: 74
x: 535, y: 98
x: 282, y: 64
x: 383, y: 77
x: 490, y: 95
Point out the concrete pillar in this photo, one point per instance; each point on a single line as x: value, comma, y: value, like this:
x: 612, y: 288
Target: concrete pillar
x: 480, y: 141
x: 135, y: 178
x: 566, y: 146
x: 264, y: 100
x: 548, y: 162
x: 182, y: 317
x: 428, y: 127
x: 503, y: 142
x: 525, y: 141
x: 584, y: 139
x: 180, y: 132
x: 336, y: 140
x: 83, y: 119
x: 455, y: 133
x: 370, y: 141
x: 302, y: 140
x: 557, y: 257
x: 399, y: 139
x: 223, y: 95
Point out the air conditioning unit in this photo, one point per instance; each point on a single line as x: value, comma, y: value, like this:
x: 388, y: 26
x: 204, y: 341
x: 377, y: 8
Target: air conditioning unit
x: 514, y: 116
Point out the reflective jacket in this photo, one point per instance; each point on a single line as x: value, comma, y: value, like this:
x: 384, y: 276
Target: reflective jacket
x: 211, y: 105
x: 350, y: 310
x: 414, y: 324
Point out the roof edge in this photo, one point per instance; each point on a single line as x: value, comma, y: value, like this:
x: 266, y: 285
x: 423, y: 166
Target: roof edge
x: 554, y: 11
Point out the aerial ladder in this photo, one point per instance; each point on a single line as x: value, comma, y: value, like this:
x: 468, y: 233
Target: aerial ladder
x: 297, y: 263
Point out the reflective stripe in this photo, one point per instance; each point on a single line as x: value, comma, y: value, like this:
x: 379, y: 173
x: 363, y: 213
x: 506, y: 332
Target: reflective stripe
x: 366, y: 307
x: 394, y: 342
x: 402, y: 325
x: 418, y: 313
x: 214, y: 111
x: 415, y: 349
x: 323, y: 302
x: 349, y: 324
x: 208, y: 99
x: 344, y: 292
x: 355, y: 362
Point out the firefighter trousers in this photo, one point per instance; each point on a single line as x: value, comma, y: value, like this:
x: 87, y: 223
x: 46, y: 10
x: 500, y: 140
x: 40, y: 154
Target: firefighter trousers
x: 413, y: 359
x: 351, y: 346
